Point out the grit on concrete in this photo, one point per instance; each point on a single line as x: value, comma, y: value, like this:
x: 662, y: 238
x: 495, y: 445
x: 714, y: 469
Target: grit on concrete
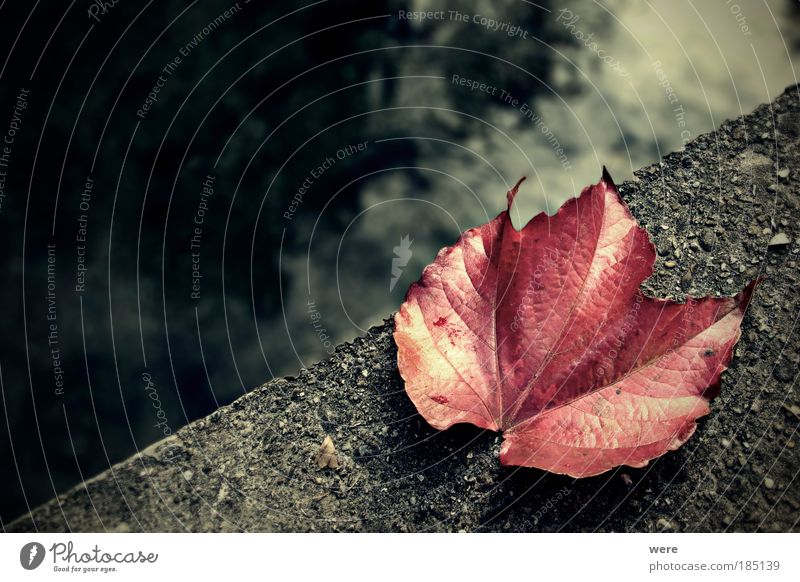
x: 712, y: 210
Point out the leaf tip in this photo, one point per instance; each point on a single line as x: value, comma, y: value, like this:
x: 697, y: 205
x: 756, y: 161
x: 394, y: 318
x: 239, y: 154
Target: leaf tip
x: 746, y: 295
x: 607, y: 178
x: 513, y: 192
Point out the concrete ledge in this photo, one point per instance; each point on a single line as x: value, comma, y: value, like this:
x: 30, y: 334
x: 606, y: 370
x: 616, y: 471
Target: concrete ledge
x: 711, y: 209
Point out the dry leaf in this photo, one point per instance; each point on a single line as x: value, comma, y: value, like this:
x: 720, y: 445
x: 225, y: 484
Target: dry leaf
x: 326, y: 455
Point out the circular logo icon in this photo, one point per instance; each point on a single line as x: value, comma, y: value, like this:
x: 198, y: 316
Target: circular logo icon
x: 31, y: 555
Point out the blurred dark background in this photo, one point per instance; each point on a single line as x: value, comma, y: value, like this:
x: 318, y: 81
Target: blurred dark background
x: 262, y: 95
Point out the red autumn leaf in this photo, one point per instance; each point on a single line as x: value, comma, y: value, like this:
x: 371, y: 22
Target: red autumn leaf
x: 543, y: 334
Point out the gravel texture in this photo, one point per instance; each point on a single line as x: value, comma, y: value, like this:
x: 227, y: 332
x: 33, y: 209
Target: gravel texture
x: 712, y: 210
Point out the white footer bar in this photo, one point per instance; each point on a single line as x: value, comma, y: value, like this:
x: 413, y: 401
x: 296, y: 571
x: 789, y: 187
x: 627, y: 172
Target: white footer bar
x: 352, y: 557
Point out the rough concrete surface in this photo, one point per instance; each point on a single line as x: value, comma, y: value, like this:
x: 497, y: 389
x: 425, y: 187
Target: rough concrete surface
x: 712, y: 210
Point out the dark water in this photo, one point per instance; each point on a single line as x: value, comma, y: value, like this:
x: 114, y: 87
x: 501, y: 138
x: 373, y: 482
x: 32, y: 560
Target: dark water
x: 198, y: 197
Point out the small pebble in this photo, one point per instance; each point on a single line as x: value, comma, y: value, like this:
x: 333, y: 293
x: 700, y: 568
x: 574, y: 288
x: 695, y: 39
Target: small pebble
x: 793, y: 408
x: 784, y: 173
x: 708, y: 239
x: 779, y: 239
x: 769, y: 483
